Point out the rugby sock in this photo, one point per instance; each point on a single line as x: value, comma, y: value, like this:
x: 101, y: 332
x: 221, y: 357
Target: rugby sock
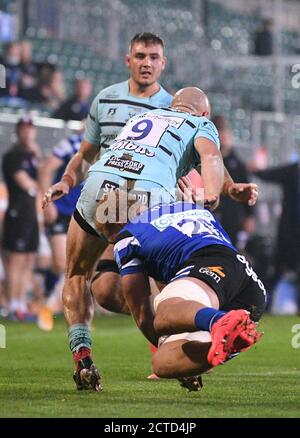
x: 80, y: 342
x: 206, y: 317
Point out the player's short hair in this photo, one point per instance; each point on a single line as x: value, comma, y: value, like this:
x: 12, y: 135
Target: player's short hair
x: 147, y: 38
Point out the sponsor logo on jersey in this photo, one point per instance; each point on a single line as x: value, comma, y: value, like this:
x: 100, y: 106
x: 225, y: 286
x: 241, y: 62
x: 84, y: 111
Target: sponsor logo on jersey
x: 112, y: 111
x: 109, y: 186
x: 250, y: 272
x: 217, y: 269
x: 140, y: 196
x: 108, y: 138
x: 211, y: 272
x: 125, y: 163
x: 129, y: 146
x: 106, y: 187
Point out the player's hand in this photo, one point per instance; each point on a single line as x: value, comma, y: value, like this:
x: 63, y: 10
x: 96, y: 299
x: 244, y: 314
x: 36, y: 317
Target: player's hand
x: 243, y: 192
x: 211, y: 202
x: 188, y: 192
x: 55, y: 192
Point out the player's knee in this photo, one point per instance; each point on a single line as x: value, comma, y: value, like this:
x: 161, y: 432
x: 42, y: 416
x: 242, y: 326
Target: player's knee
x: 156, y: 365
x: 107, y: 291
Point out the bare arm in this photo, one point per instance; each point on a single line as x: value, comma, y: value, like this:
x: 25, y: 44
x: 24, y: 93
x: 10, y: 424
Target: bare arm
x: 240, y: 192
x: 137, y: 293
x: 74, y: 173
x: 212, y: 169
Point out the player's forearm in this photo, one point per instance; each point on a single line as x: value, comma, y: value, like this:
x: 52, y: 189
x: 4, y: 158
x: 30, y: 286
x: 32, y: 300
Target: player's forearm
x: 228, y: 181
x: 73, y: 170
x: 73, y: 174
x: 212, y: 174
x: 136, y: 291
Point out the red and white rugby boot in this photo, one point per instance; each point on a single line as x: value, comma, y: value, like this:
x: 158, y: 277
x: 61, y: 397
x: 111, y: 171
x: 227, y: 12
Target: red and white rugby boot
x: 231, y: 334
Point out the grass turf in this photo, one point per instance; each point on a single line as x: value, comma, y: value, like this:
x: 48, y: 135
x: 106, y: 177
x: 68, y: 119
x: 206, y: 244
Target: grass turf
x: 36, y: 376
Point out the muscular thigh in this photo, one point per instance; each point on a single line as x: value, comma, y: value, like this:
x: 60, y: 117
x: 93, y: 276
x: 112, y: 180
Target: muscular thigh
x: 83, y: 251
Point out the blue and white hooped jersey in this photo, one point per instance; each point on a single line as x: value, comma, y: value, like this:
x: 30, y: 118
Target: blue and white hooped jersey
x: 65, y: 150
x: 113, y: 107
x: 157, y: 146
x: 164, y: 237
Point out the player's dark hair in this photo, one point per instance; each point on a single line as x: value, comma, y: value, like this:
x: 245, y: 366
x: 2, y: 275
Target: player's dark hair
x: 147, y: 38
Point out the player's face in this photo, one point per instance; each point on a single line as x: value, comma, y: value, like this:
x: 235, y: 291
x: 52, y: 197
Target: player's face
x: 146, y: 63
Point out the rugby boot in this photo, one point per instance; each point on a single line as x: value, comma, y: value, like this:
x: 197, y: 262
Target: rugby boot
x: 87, y: 375
x: 232, y: 334
x: 193, y: 383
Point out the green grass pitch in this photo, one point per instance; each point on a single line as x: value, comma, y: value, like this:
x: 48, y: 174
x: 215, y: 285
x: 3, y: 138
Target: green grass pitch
x: 36, y: 376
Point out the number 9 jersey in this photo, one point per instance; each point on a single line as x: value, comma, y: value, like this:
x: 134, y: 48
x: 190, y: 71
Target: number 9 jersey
x: 157, y: 146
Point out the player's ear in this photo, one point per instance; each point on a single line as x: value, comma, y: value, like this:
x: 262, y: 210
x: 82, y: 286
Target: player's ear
x: 164, y: 63
x: 127, y: 60
x: 206, y: 114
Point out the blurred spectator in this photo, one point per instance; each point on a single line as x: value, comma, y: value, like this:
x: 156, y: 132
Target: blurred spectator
x: 54, y: 91
x: 287, y: 255
x: 11, y: 59
x: 29, y: 69
x: 77, y: 107
x: 50, y: 89
x: 20, y: 230
x: 237, y: 219
x: 3, y: 290
x: 263, y: 39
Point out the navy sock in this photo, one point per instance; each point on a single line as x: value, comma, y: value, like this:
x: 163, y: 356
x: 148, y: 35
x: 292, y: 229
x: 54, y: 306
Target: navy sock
x: 206, y: 317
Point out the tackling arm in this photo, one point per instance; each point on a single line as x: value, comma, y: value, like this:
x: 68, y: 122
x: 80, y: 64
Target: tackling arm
x: 212, y: 170
x: 137, y: 293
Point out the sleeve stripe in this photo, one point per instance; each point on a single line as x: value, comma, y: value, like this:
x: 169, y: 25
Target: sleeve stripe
x: 125, y: 242
x: 132, y: 263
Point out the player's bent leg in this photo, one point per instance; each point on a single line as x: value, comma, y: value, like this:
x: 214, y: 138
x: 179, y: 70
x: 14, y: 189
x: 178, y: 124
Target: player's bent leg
x: 106, y: 284
x: 184, y: 357
x: 178, y: 303
x: 83, y: 249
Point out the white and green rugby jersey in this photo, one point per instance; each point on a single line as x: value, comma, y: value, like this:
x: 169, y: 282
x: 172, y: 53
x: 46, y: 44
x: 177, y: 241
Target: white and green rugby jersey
x: 113, y: 107
x: 157, y: 146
